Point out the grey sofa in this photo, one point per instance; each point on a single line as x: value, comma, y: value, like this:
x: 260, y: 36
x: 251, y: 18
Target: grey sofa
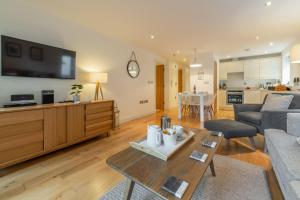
x: 284, y: 152
x: 250, y: 114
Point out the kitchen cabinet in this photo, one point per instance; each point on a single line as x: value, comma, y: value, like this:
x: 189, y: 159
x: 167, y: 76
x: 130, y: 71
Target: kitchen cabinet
x: 263, y: 94
x: 221, y: 99
x: 252, y: 96
x: 223, y: 70
x: 270, y: 68
x: 251, y: 69
x: 235, y: 66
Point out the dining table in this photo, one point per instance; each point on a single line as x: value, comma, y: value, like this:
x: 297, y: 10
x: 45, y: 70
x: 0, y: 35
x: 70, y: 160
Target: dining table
x: 201, y: 96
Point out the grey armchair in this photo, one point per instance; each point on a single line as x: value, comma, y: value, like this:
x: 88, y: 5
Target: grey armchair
x: 250, y: 114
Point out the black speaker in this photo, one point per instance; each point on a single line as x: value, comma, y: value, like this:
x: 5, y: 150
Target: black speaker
x: 47, y: 96
x: 22, y: 98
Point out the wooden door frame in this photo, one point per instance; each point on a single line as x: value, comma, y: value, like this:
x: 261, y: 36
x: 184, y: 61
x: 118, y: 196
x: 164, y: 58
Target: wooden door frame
x: 159, y: 101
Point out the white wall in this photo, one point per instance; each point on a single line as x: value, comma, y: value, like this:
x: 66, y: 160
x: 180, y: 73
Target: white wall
x: 207, y: 61
x: 94, y: 53
x: 171, y: 84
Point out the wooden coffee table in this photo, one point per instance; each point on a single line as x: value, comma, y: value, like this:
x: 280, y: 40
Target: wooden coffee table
x: 151, y: 172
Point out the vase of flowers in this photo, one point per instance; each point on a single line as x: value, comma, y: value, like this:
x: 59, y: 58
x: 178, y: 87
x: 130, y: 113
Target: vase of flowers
x: 76, y: 90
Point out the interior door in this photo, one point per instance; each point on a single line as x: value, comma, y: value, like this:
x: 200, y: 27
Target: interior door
x: 180, y: 80
x: 160, y: 87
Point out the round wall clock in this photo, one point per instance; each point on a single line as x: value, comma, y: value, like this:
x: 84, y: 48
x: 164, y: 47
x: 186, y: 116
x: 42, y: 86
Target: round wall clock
x: 133, y: 67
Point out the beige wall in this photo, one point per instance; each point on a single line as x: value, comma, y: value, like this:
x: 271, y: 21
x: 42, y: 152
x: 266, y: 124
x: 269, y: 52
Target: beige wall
x: 94, y: 53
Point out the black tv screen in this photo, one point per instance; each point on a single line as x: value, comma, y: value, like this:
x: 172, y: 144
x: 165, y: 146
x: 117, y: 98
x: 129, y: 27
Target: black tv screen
x: 30, y: 59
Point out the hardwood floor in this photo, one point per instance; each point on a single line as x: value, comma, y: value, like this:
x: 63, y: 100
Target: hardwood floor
x: 80, y: 171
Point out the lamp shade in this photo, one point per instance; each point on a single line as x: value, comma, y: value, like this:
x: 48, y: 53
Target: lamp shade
x: 97, y: 77
x: 295, y: 54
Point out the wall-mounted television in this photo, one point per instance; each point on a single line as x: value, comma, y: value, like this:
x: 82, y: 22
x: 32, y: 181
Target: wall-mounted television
x: 30, y: 59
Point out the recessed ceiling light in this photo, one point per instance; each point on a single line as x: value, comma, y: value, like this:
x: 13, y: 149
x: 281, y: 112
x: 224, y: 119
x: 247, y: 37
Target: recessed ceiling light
x: 268, y: 3
x: 228, y: 56
x: 184, y: 60
x: 178, y: 52
x: 257, y: 37
x: 271, y: 43
x: 152, y: 37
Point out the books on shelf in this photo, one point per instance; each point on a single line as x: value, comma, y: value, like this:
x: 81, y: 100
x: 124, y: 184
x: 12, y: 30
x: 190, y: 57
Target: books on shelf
x: 175, y: 186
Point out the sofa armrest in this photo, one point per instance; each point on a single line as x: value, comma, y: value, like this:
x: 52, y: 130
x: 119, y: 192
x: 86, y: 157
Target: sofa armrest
x: 244, y: 108
x: 276, y: 119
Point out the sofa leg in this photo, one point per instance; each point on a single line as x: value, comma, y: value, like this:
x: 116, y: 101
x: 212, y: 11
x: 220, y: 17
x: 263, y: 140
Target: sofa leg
x: 252, y: 142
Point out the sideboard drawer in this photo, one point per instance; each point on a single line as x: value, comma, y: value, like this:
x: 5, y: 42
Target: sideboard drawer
x: 99, y: 107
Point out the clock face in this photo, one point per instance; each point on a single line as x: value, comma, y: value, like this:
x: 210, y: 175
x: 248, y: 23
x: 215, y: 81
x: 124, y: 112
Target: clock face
x: 133, y: 69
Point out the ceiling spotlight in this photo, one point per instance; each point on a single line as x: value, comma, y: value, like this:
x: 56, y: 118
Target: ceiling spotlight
x: 257, y: 37
x: 152, y: 37
x: 271, y: 43
x: 178, y: 52
x: 228, y: 56
x: 268, y: 3
x: 184, y: 60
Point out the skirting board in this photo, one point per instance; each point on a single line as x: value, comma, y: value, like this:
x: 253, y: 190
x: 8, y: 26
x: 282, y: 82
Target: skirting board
x: 127, y: 119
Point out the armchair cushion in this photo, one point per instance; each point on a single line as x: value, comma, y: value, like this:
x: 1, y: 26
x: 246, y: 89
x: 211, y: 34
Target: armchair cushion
x: 252, y: 117
x: 275, y: 102
x: 293, y: 124
x: 245, y: 108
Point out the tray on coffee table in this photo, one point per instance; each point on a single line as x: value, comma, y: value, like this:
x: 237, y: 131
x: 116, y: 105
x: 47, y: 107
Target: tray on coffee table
x: 162, y: 152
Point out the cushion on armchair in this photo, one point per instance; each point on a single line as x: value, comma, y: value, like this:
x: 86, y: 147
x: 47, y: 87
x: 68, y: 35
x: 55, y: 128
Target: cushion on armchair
x: 293, y: 124
x: 252, y: 117
x: 277, y: 102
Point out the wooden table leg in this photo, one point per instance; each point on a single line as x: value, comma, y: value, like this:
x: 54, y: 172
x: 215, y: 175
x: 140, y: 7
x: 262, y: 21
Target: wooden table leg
x: 212, y: 167
x: 128, y: 189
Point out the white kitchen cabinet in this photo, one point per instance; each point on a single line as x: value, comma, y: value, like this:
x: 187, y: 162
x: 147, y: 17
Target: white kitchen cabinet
x: 263, y: 94
x: 252, y: 96
x: 235, y: 66
x: 223, y: 70
x: 251, y: 69
x: 221, y: 99
x: 270, y: 68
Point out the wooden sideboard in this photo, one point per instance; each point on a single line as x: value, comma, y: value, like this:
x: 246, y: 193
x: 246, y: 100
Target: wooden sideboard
x: 28, y: 132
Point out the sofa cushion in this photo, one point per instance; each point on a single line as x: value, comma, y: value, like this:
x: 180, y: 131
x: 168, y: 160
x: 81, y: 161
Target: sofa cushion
x: 252, y: 117
x: 294, y: 190
x: 276, y: 102
x: 293, y: 125
x: 284, y: 152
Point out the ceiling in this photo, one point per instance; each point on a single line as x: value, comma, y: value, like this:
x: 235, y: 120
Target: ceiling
x: 225, y: 27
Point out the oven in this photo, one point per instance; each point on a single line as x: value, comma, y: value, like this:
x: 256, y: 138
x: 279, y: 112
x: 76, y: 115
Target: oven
x: 235, y: 97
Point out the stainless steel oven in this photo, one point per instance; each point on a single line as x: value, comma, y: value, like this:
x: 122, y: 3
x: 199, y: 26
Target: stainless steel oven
x: 235, y: 97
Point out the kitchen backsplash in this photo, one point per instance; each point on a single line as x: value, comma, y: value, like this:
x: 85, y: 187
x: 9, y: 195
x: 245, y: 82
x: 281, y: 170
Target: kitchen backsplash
x: 246, y: 83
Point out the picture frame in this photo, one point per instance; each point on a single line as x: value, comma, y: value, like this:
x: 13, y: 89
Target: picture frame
x: 13, y: 49
x: 200, y: 76
x: 36, y: 53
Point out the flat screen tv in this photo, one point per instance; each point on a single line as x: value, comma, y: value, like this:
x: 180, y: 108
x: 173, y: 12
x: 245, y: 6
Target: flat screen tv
x: 30, y: 59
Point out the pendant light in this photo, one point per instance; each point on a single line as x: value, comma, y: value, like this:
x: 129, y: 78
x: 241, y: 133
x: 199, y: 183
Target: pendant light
x: 194, y: 63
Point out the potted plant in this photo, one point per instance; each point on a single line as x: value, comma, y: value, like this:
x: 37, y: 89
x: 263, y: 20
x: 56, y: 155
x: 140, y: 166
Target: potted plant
x: 76, y: 90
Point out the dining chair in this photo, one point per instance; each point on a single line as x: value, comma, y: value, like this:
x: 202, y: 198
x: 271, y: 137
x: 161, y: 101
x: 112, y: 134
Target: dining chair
x: 209, y: 105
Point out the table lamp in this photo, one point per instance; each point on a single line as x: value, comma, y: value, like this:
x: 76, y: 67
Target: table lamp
x: 98, y: 78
